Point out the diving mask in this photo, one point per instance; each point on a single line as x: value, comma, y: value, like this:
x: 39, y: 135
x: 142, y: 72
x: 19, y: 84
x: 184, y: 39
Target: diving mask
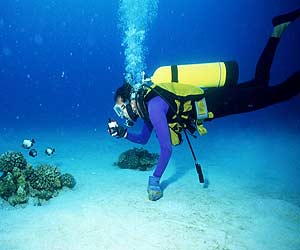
x: 119, y: 109
x: 125, y: 110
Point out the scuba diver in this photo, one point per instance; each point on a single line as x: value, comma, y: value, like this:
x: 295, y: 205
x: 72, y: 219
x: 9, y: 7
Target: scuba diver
x: 171, y: 107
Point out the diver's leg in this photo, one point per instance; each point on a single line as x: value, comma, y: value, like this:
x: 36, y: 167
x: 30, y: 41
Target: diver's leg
x: 228, y: 101
x: 263, y: 66
x: 283, y: 91
x: 280, y: 23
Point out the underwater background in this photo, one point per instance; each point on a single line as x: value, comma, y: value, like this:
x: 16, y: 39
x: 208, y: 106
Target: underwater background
x: 67, y: 56
x: 60, y: 63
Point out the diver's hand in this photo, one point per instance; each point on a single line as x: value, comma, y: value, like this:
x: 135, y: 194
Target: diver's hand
x: 115, y: 130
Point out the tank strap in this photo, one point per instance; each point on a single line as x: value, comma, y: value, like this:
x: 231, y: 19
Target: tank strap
x: 174, y: 72
x: 141, y: 105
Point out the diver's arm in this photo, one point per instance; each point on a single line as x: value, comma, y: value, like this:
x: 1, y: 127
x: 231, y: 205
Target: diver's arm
x: 143, y: 137
x: 158, y: 109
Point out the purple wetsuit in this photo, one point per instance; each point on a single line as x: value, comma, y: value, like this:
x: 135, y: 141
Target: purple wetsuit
x: 157, y: 109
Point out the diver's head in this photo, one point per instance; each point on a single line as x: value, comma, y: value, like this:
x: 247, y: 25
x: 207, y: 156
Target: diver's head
x: 125, y: 105
x: 123, y: 92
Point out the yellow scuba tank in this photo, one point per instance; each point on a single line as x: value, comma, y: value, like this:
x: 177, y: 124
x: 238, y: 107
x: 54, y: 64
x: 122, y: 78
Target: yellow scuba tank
x: 205, y: 75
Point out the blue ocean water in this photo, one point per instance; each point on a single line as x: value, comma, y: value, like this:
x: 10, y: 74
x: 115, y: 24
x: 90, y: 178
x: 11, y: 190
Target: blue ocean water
x: 61, y: 61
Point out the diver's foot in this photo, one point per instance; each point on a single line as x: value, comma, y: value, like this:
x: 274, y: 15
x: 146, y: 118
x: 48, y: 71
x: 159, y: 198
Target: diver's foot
x: 154, y: 190
x: 280, y: 23
x: 154, y: 195
x: 279, y: 29
x: 285, y: 18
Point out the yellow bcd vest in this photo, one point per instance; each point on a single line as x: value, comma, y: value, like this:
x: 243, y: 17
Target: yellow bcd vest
x: 187, y: 110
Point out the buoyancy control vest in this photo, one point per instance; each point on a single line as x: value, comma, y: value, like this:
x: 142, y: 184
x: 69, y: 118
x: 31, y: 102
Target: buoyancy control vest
x: 187, y: 107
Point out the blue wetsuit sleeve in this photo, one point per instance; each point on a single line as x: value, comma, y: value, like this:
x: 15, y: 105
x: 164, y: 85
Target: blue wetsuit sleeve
x: 158, y: 109
x: 143, y: 137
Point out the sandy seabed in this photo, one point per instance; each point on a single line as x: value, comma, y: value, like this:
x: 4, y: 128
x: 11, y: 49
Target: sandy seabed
x: 252, y: 200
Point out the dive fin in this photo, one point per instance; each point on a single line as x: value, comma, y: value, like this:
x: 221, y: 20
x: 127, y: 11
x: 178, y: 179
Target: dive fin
x: 288, y: 17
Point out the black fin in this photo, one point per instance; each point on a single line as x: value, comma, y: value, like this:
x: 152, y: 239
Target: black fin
x: 288, y: 17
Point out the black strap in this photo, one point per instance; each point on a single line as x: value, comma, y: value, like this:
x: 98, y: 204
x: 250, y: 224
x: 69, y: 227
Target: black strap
x: 141, y: 105
x: 174, y: 72
x: 197, y: 165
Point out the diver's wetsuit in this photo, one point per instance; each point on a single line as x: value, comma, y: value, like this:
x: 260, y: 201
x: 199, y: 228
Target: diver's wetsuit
x: 244, y: 97
x: 255, y: 94
x: 158, y: 110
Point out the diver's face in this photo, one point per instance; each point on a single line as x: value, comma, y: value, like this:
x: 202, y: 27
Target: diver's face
x: 126, y: 110
x: 120, y: 102
x: 133, y: 106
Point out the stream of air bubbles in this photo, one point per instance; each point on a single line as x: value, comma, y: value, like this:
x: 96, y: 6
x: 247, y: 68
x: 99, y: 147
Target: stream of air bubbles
x: 135, y: 19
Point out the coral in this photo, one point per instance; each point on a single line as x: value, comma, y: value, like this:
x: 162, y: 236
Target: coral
x: 45, y: 178
x: 137, y: 158
x: 10, y: 160
x: 19, y: 180
x: 18, y: 198
x: 7, y: 186
x: 16, y: 172
x: 28, y: 171
x: 67, y: 180
x: 42, y: 195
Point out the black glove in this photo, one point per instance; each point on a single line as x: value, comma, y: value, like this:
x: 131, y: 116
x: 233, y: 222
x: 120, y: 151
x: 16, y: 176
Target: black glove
x: 115, y: 130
